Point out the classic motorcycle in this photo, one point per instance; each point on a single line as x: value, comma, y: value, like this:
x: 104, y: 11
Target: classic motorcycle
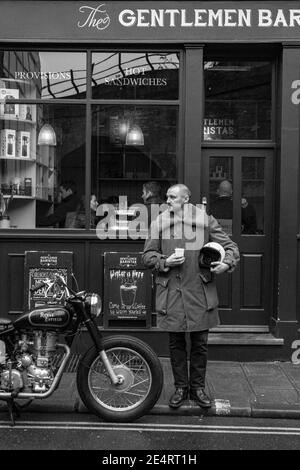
x: 119, y: 378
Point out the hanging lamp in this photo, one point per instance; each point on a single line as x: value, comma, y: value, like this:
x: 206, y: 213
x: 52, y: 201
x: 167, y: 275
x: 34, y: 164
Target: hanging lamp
x: 47, y: 135
x: 135, y: 136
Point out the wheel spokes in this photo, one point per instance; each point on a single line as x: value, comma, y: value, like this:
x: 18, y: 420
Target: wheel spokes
x: 135, y: 373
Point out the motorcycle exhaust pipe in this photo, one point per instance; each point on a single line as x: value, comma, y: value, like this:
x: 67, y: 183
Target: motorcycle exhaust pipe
x: 49, y: 392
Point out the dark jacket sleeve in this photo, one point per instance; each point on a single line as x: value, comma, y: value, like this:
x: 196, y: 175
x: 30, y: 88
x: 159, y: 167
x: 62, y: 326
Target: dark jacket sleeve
x: 60, y: 212
x: 217, y: 234
x: 58, y: 216
x: 152, y: 255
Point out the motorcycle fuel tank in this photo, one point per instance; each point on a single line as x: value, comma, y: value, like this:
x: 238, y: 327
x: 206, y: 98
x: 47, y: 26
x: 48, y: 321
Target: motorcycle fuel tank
x: 44, y: 318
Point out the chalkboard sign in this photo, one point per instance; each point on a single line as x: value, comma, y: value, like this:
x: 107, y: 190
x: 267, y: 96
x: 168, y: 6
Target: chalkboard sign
x: 127, y: 289
x: 41, y: 266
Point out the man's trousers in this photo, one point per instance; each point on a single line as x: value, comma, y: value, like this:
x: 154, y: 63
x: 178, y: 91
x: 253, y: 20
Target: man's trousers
x: 198, y: 359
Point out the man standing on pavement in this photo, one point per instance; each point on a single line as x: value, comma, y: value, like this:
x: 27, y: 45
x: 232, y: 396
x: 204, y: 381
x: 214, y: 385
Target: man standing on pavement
x: 186, y: 295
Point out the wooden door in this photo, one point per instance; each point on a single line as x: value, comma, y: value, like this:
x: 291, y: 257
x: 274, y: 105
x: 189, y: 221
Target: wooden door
x: 246, y: 295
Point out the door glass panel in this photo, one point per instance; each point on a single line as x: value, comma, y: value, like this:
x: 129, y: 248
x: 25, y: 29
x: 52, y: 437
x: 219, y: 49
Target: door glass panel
x: 253, y: 195
x: 220, y: 191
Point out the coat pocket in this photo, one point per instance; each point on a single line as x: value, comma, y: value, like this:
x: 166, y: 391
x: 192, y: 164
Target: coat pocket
x: 211, y: 294
x: 161, y: 295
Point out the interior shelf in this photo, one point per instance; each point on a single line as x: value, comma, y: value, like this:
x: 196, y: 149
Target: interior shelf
x: 17, y: 196
x: 25, y: 121
x: 23, y: 159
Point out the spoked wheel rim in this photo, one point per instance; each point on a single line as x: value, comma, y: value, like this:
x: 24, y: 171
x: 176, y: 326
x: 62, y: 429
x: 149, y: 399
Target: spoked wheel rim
x: 136, y: 380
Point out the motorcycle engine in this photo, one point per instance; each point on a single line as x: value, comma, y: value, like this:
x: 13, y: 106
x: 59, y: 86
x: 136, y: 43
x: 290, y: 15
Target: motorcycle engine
x: 32, y: 369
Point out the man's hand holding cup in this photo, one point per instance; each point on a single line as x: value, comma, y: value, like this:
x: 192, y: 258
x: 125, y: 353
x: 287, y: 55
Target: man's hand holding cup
x: 176, y: 258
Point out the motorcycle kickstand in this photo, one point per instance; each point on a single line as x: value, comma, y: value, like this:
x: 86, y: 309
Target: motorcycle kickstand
x: 14, y: 407
x: 12, y: 410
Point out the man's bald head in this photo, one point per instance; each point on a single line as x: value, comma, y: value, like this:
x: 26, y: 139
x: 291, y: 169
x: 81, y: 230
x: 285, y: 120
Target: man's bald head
x: 225, y: 188
x: 182, y: 189
x: 177, y: 196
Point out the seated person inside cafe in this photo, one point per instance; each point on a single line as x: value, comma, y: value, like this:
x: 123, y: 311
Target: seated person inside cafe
x: 70, y: 203
x: 151, y: 195
x: 222, y: 209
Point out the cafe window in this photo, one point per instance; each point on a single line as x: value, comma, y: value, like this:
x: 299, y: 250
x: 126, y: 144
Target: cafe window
x: 132, y: 145
x: 237, y: 100
x: 43, y: 147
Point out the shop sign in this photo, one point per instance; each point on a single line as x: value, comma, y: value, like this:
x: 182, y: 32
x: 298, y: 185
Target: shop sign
x: 149, y: 21
x: 41, y: 266
x: 127, y: 287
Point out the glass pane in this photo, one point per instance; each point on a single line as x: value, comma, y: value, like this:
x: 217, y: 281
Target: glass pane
x: 220, y: 191
x: 143, y: 75
x: 253, y: 195
x: 130, y: 147
x: 34, y: 75
x: 38, y: 155
x: 237, y: 100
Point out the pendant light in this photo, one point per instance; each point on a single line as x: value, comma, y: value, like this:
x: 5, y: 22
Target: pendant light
x: 123, y: 129
x: 135, y: 136
x: 47, y: 135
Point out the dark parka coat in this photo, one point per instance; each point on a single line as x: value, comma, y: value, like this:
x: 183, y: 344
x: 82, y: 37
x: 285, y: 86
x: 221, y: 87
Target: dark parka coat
x: 186, y: 295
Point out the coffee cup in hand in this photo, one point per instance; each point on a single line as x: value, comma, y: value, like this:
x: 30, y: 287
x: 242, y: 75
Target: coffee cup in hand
x: 179, y: 252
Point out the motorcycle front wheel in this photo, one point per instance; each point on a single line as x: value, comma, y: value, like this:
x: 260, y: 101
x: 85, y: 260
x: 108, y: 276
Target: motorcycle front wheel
x: 142, y: 380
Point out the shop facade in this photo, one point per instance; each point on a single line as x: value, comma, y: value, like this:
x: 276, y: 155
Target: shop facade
x: 156, y: 91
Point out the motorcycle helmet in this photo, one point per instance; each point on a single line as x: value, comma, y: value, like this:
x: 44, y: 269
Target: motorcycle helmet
x: 209, y: 253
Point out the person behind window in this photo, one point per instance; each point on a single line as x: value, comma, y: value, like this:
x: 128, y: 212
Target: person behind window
x: 70, y: 202
x: 249, y: 224
x: 222, y: 210
x: 113, y: 200
x: 151, y: 195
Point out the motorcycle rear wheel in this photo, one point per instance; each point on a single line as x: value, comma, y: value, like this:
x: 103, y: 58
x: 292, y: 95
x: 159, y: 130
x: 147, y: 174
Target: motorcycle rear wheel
x: 142, y: 375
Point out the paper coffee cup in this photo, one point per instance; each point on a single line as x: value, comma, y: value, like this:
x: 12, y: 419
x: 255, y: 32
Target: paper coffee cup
x: 179, y: 252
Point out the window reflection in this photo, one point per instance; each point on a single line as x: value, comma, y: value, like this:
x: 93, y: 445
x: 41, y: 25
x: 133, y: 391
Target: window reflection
x: 34, y: 74
x: 237, y: 100
x: 144, y: 75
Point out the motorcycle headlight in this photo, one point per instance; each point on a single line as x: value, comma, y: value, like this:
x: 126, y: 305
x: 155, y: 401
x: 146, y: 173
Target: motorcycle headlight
x: 94, y: 302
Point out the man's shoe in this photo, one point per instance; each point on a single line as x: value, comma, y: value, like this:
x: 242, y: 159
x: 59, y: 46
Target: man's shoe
x: 200, y: 397
x: 178, y: 397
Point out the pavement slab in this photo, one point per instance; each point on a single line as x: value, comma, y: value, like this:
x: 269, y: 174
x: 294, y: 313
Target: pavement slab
x: 271, y: 384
